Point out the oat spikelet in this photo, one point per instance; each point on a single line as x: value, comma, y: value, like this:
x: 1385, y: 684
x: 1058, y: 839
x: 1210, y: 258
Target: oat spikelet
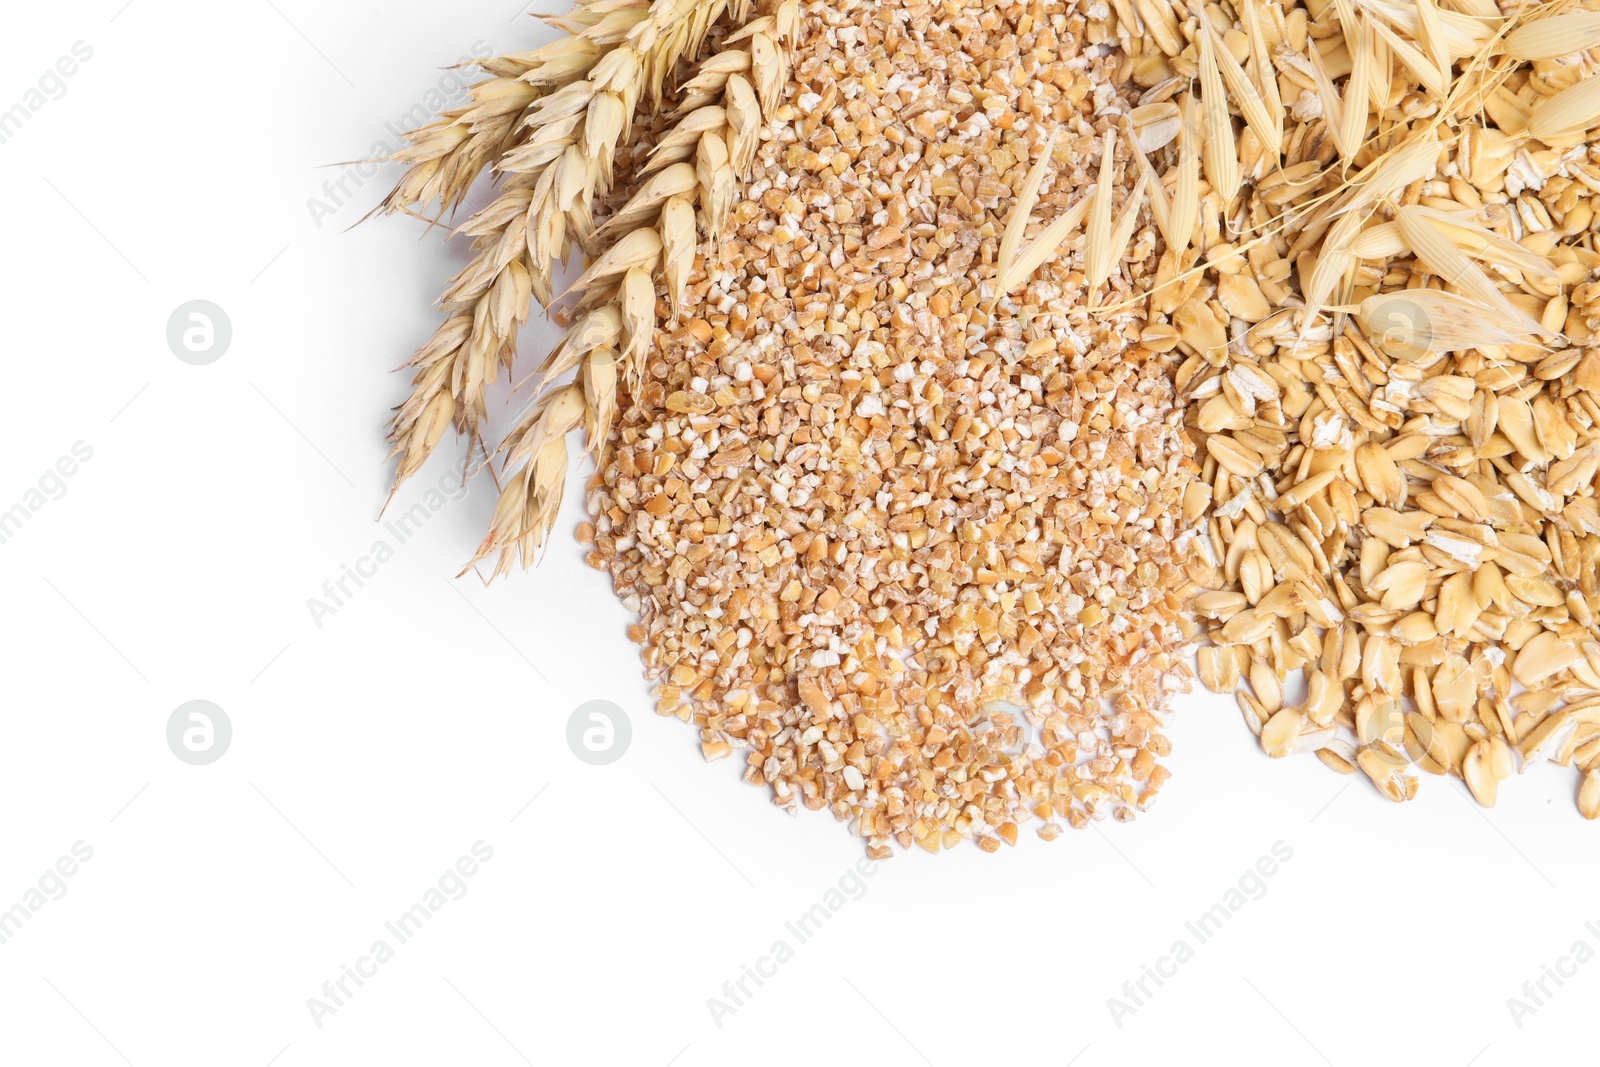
x: 620, y: 293
x: 1438, y: 253
x: 1122, y: 231
x: 1381, y: 71
x: 1333, y: 263
x: 1346, y: 13
x: 1429, y: 30
x: 1382, y: 241
x: 1415, y: 322
x: 1044, y: 247
x: 1555, y: 36
x: 1263, y: 74
x: 1384, y: 176
x: 1186, y: 189
x: 1022, y: 209
x: 1418, y: 65
x: 1568, y: 113
x: 1251, y: 106
x: 1096, y: 249
x: 1332, y: 107
x: 1483, y: 243
x: 1221, y: 150
x: 1160, y: 206
x: 1353, y: 121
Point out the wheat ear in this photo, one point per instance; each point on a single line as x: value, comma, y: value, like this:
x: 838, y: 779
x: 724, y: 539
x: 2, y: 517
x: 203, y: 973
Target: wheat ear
x: 563, y: 161
x: 655, y: 243
x: 574, y: 131
x: 445, y: 156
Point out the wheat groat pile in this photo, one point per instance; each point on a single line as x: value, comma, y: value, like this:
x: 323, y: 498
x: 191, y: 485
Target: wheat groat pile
x: 860, y: 510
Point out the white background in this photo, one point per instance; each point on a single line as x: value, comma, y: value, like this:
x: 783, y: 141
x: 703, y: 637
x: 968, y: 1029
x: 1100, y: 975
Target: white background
x: 424, y: 715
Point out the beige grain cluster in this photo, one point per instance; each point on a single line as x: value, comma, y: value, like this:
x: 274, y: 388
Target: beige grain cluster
x: 869, y: 506
x: 1385, y: 311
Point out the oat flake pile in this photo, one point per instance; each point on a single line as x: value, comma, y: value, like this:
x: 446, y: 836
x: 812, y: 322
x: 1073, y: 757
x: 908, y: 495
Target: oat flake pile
x: 953, y: 369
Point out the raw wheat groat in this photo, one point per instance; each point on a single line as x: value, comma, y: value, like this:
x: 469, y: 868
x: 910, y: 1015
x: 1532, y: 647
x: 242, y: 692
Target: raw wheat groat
x: 868, y: 505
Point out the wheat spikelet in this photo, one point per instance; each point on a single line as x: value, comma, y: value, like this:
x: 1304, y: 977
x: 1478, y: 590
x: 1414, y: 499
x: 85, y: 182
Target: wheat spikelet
x: 677, y: 248
x: 716, y: 177
x: 444, y: 157
x: 568, y: 136
x: 575, y: 130
x: 705, y: 88
x: 676, y: 180
x: 620, y: 288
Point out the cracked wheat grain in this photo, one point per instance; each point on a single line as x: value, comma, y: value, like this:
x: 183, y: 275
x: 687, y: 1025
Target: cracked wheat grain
x: 863, y: 518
